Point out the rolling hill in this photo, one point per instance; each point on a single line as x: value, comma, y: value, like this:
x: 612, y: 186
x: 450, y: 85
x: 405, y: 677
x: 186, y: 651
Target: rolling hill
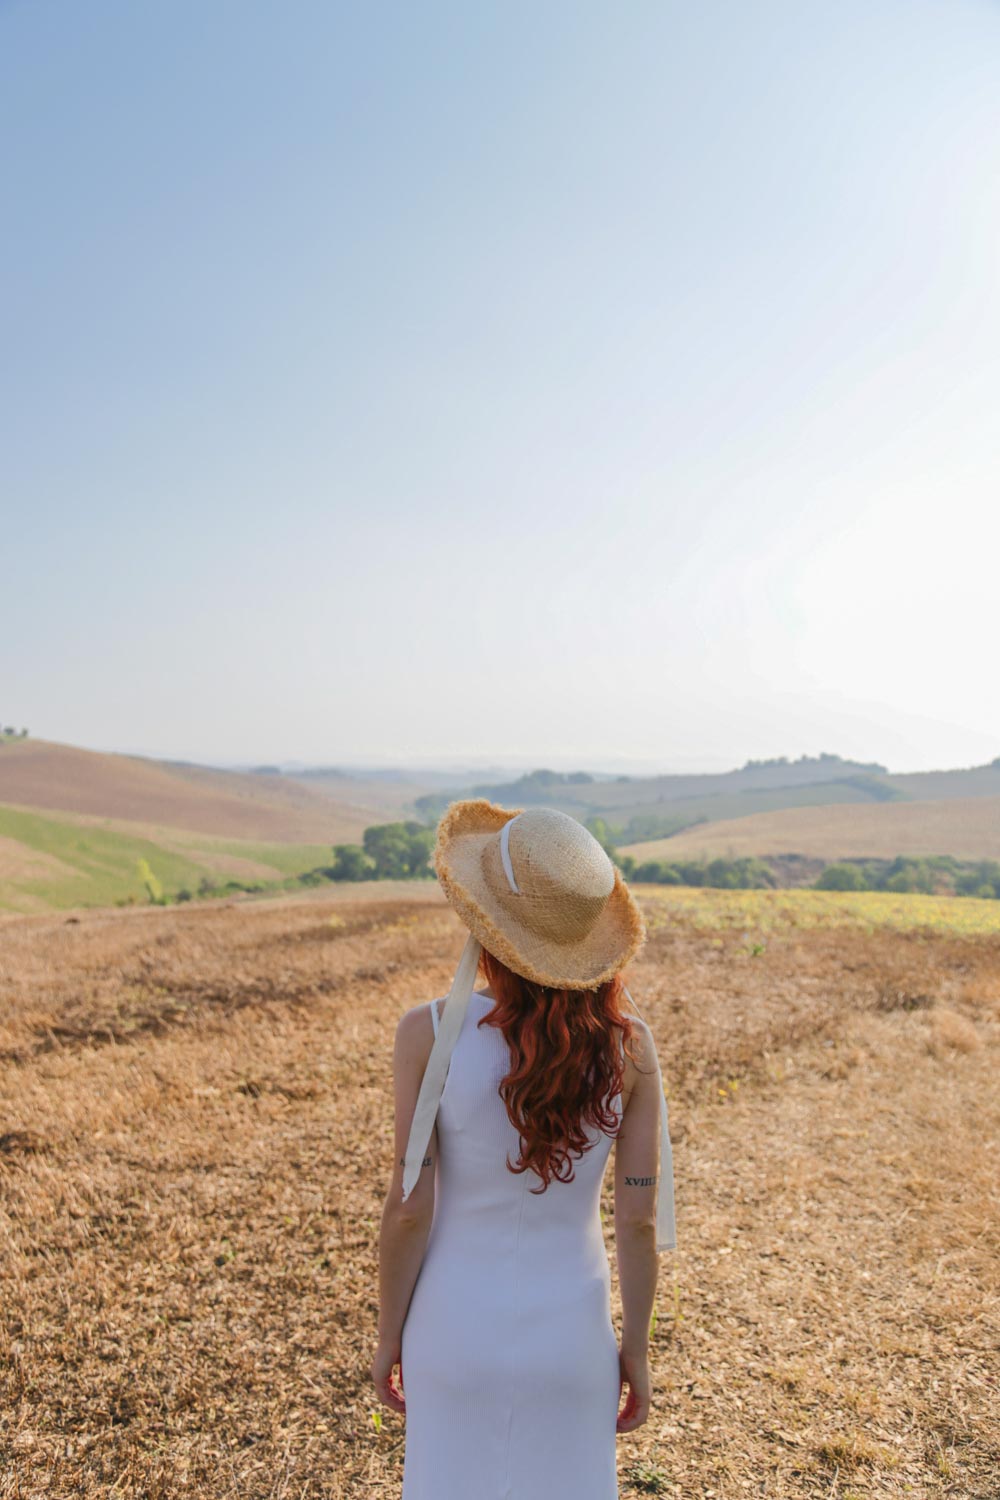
x: 75, y: 824
x: 64, y: 860
x: 639, y: 810
x: 966, y: 827
x: 50, y: 777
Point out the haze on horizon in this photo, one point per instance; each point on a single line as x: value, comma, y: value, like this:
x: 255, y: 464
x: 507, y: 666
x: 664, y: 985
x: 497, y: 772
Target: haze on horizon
x: 575, y: 386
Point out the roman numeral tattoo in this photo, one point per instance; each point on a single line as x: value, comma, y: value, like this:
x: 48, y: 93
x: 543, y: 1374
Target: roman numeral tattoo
x: 639, y: 1181
x: 426, y: 1161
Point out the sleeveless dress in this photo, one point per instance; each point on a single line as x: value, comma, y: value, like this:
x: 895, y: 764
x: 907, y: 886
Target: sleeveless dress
x: 509, y: 1358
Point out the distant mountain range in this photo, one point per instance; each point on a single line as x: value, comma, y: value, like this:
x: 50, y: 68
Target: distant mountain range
x: 639, y: 809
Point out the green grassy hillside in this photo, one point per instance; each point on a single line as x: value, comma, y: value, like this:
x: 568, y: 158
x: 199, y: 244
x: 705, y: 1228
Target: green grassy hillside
x: 50, y: 861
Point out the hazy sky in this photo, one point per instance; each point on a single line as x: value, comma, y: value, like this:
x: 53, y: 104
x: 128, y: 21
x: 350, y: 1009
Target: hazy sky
x: 573, y: 384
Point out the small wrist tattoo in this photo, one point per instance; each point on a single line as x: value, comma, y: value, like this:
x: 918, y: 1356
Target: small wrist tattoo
x: 639, y: 1181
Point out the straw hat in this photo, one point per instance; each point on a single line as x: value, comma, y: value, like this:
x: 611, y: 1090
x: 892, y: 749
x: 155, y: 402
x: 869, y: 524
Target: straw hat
x: 538, y: 891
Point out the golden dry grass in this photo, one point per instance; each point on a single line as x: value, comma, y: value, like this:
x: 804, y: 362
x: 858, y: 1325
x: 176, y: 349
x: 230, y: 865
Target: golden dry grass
x: 760, y: 913
x: 196, y: 1138
x: 966, y: 827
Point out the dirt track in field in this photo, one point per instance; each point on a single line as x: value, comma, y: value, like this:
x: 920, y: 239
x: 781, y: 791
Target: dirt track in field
x: 195, y: 1141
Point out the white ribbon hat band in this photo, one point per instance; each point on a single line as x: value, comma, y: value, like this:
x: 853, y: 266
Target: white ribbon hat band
x: 508, y: 868
x: 432, y: 1083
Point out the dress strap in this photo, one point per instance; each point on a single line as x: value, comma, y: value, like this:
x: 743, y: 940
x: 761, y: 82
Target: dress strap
x: 434, y: 1015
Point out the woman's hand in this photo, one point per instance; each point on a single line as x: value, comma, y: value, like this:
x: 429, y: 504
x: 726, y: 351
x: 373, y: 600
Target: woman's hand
x: 387, y: 1357
x: 634, y: 1372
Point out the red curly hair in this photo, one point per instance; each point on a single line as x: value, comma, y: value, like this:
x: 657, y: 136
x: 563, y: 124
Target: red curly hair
x: 566, y: 1067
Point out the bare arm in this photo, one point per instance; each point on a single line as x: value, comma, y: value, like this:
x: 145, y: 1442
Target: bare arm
x: 405, y: 1226
x: 636, y: 1168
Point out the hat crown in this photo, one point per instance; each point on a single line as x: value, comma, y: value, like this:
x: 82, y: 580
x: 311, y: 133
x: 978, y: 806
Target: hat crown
x: 551, y: 848
x: 563, y: 876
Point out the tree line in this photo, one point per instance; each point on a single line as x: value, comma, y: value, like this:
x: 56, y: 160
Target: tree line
x: 402, y: 851
x: 935, y: 875
x: 746, y: 874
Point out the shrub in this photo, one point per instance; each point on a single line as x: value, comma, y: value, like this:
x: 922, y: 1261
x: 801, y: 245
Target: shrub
x: 154, y: 889
x: 842, y: 877
x: 350, y: 862
x: 399, y: 850
x: 981, y: 879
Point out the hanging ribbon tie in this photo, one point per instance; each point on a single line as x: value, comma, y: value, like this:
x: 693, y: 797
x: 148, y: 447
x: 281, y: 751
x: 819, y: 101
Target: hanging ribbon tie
x: 432, y: 1084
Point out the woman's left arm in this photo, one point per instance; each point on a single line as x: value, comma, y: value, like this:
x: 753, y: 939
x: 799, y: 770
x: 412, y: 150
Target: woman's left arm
x: 405, y: 1226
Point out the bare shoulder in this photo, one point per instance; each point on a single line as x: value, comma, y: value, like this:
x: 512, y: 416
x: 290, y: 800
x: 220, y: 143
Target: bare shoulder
x: 415, y: 1030
x: 643, y: 1046
x: 640, y: 1026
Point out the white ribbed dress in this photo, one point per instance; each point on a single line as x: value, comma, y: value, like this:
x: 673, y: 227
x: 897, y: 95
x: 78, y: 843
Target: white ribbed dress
x: 509, y: 1356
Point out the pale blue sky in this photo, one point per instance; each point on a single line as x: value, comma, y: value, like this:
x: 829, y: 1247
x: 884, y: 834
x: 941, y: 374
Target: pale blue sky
x: 569, y: 384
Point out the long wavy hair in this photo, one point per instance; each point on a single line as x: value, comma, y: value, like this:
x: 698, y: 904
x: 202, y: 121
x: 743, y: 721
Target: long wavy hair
x: 566, y: 1066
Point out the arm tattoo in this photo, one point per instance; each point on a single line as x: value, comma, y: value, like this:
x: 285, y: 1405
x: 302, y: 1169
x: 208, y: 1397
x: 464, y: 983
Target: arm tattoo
x: 426, y: 1161
x: 639, y: 1181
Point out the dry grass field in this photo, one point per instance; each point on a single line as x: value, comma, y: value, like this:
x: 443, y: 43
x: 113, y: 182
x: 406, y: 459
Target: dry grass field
x: 195, y: 1142
x: 967, y: 827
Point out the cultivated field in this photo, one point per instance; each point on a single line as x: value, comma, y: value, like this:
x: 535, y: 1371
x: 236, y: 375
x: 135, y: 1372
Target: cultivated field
x: 49, y: 777
x: 196, y: 1139
x: 967, y: 827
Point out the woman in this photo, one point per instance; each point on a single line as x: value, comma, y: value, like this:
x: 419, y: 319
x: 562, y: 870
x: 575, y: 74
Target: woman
x: 493, y: 1276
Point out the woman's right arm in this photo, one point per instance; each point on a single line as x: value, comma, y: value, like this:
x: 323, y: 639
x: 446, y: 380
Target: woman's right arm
x: 636, y: 1153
